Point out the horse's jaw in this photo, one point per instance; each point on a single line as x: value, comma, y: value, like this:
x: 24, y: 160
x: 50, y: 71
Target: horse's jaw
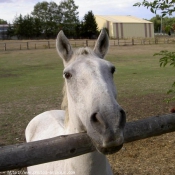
x: 111, y: 150
x: 107, y: 148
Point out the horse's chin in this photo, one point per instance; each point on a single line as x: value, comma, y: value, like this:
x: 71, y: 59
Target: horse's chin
x: 109, y: 150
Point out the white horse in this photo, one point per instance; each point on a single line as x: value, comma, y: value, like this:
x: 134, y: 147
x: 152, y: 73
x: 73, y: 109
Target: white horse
x: 89, y: 106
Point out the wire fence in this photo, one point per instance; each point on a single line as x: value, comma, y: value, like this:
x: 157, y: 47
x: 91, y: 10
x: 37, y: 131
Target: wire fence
x: 9, y: 45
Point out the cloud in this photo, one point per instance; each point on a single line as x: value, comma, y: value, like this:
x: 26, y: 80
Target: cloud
x: 111, y: 7
x: 8, y: 11
x: 10, y: 8
x: 6, y: 1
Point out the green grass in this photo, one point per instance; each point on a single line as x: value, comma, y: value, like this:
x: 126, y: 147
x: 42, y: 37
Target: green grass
x: 29, y: 73
x: 31, y: 82
x: 139, y: 72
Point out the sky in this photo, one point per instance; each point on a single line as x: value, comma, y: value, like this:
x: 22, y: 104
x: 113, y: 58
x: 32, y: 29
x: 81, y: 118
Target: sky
x: 11, y: 8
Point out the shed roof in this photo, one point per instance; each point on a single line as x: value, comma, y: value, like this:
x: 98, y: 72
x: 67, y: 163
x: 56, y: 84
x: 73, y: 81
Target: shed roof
x: 122, y: 19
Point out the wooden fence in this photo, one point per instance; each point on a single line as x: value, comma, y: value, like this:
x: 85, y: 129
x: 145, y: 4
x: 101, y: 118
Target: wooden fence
x: 47, y: 44
x: 63, y: 147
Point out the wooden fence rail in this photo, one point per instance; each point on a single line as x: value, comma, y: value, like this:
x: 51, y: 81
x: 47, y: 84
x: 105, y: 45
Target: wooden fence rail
x: 44, y: 44
x: 63, y: 147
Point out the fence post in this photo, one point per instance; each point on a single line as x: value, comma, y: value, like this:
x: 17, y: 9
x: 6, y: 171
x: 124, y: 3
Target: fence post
x: 86, y: 43
x: 132, y: 41
x: 5, y: 48
x: 49, y: 44
x: 27, y: 45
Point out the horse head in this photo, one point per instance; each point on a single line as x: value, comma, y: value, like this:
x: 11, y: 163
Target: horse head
x: 91, y: 93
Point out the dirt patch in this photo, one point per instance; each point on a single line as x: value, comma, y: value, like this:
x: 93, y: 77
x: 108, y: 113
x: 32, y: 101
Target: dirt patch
x: 8, y: 75
x: 153, y: 156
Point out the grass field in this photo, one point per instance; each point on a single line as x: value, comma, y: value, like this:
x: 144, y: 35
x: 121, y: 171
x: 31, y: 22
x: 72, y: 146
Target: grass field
x: 31, y: 82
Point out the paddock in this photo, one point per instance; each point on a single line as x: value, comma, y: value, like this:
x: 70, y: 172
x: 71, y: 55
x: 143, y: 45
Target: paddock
x: 30, y: 79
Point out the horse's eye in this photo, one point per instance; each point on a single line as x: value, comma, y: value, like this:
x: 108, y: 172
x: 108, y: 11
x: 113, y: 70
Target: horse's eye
x: 112, y: 70
x: 67, y: 75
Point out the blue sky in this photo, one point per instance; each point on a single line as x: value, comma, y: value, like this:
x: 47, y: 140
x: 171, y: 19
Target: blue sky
x: 10, y: 8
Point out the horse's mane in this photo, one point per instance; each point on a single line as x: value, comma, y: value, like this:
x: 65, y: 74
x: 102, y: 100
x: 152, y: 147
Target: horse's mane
x: 64, y: 106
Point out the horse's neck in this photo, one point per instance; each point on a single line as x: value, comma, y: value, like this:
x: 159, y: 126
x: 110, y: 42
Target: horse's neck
x: 93, y: 163
x: 88, y: 164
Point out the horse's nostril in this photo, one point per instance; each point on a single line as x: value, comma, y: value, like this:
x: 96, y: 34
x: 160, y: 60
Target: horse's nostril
x: 97, y: 122
x: 94, y: 118
x: 122, y: 112
x: 122, y: 118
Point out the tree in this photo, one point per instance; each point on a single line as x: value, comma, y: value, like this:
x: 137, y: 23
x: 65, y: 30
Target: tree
x: 37, y: 27
x: 28, y: 26
x: 89, y: 26
x: 3, y: 21
x: 168, y: 24
x: 69, y: 21
x: 78, y: 30
x: 10, y: 31
x: 157, y: 23
x: 48, y: 17
x: 166, y: 7
x: 25, y: 27
x: 18, y: 26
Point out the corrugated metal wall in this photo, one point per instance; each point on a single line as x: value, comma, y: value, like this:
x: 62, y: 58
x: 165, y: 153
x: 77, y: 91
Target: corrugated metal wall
x: 101, y: 23
x: 127, y: 30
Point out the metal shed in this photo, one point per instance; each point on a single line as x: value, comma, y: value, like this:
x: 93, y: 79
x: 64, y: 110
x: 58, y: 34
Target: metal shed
x: 126, y: 26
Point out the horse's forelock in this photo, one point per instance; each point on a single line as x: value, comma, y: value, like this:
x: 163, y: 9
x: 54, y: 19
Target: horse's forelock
x: 83, y: 51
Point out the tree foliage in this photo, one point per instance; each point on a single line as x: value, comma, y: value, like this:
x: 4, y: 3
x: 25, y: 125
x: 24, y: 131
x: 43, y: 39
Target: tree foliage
x: 168, y: 24
x: 69, y: 19
x: 157, y: 23
x: 3, y: 21
x: 167, y: 58
x: 166, y: 6
x: 89, y: 26
x: 49, y: 17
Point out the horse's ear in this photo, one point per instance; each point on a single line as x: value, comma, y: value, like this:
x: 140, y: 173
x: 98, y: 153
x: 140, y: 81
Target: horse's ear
x: 102, y: 44
x: 63, y: 47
